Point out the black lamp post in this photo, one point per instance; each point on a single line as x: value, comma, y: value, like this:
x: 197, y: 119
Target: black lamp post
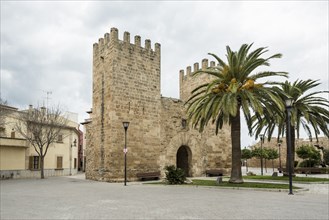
x: 289, y: 103
x: 280, y: 164
x: 261, y: 153
x: 74, y: 144
x: 125, y: 126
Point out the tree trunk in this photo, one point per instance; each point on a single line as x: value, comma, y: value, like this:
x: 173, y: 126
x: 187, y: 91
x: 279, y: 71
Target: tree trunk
x: 292, y: 135
x: 42, y: 166
x: 293, y: 142
x: 261, y: 164
x: 273, y: 165
x: 236, y: 173
x: 265, y: 166
x: 247, y: 165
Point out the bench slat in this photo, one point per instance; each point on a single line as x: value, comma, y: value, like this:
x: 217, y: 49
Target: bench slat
x: 214, y: 172
x: 148, y: 175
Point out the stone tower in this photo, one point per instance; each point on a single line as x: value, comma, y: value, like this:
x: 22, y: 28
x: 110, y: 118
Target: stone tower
x: 126, y: 87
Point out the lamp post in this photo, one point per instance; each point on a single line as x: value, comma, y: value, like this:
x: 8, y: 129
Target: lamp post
x: 280, y: 164
x: 74, y: 144
x: 125, y: 126
x: 289, y: 103
x: 261, y: 153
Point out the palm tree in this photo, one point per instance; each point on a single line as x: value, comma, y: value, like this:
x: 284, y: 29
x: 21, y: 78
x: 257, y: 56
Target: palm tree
x: 309, y: 111
x: 233, y: 88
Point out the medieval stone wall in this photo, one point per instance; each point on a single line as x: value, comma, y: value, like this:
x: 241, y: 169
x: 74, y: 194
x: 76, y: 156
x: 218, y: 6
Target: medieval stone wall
x: 207, y: 151
x: 282, y: 150
x: 126, y: 87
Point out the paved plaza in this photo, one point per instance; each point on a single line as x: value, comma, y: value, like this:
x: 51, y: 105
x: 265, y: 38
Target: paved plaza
x: 76, y: 198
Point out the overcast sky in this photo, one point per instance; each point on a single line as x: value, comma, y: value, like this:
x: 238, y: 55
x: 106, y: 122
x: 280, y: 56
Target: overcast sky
x: 47, y: 45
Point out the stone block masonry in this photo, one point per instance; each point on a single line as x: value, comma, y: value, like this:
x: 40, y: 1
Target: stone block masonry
x: 126, y: 87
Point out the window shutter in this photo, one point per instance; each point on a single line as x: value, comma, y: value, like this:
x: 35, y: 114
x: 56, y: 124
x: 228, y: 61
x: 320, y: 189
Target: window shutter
x: 59, y: 162
x: 30, y: 162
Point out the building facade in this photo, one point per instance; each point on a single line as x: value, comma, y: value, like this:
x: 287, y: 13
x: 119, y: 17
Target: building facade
x: 18, y: 159
x: 126, y: 87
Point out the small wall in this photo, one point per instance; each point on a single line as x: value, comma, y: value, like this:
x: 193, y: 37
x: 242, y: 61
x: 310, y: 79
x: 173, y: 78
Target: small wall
x: 17, y: 174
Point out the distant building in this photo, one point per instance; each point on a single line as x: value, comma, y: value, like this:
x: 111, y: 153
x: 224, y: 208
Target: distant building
x: 18, y: 159
x: 81, y: 156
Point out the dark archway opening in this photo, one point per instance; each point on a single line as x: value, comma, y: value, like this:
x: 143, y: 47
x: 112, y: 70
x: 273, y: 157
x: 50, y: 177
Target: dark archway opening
x: 183, y: 159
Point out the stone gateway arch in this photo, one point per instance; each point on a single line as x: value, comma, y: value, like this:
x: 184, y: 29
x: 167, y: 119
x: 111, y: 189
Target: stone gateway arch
x: 126, y: 87
x: 183, y: 159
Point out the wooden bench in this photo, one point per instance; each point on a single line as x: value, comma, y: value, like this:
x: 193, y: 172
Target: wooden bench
x: 148, y: 175
x: 214, y: 172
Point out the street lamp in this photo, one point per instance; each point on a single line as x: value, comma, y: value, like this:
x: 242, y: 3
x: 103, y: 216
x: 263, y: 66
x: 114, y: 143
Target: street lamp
x: 280, y: 164
x: 261, y: 153
x: 125, y: 126
x: 74, y: 144
x: 289, y: 103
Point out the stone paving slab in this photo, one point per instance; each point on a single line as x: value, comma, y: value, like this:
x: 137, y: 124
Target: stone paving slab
x: 76, y: 198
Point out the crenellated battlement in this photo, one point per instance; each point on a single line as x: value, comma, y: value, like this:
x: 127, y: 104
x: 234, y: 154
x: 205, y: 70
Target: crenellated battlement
x: 111, y: 40
x: 188, y: 82
x: 196, y: 66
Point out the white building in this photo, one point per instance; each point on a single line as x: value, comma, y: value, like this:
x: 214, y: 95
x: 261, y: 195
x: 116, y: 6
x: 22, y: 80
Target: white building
x: 19, y: 159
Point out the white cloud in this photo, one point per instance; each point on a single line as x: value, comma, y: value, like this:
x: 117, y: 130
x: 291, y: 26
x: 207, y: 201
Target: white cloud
x: 47, y: 46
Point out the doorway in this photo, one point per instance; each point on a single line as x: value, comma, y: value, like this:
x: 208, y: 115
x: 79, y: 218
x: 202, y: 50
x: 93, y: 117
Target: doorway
x: 183, y: 159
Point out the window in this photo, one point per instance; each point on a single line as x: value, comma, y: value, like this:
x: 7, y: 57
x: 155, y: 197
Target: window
x: 183, y: 123
x: 60, y: 138
x: 75, y: 163
x: 59, y: 164
x: 34, y: 162
x: 12, y: 134
x: 2, y: 132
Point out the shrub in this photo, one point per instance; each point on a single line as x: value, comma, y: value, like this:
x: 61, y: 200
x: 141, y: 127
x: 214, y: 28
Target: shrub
x: 310, y: 155
x: 309, y: 163
x: 175, y: 175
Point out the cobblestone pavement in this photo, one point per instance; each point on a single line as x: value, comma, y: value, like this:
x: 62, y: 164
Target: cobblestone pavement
x: 76, y: 198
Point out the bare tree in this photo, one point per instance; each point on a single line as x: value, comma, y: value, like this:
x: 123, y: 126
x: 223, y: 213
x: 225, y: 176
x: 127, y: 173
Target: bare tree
x: 41, y: 127
x: 4, y: 111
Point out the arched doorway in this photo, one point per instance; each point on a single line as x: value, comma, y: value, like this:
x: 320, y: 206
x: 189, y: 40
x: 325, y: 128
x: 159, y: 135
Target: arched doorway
x: 183, y: 159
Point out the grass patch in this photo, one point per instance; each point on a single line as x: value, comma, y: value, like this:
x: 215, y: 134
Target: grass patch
x: 197, y: 182
x: 259, y: 185
x: 286, y: 178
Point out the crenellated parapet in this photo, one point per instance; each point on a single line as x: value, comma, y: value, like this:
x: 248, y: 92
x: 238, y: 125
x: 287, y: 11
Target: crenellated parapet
x: 204, y: 65
x: 111, y: 40
x: 188, y: 82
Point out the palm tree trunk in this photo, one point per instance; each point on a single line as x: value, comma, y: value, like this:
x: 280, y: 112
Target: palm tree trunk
x: 236, y: 173
x: 293, y: 142
x: 292, y: 135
